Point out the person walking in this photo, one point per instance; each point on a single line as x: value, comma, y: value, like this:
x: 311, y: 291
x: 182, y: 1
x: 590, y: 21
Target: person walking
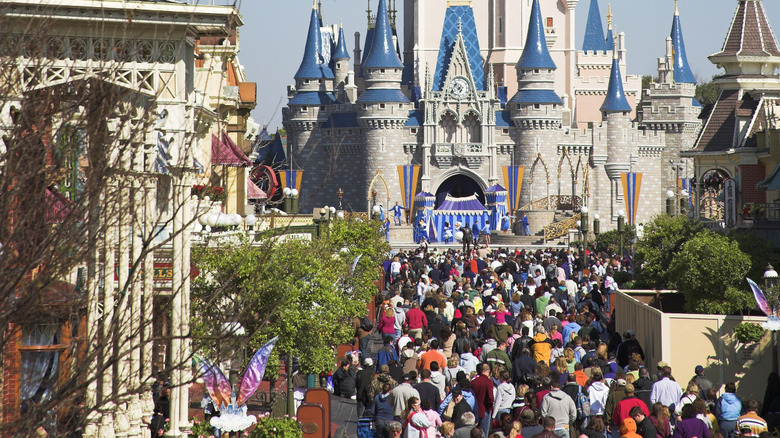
x: 750, y: 425
x: 397, y: 209
x: 482, y: 388
x: 559, y: 405
x: 526, y: 226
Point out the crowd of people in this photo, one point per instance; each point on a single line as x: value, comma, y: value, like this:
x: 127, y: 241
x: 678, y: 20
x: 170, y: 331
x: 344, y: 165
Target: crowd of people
x: 496, y: 343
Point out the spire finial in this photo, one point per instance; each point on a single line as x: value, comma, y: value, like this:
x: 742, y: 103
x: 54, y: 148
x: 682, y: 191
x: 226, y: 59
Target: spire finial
x: 676, y: 10
x: 609, y: 14
x: 314, y: 4
x: 460, y: 25
x: 615, y: 45
x: 368, y: 11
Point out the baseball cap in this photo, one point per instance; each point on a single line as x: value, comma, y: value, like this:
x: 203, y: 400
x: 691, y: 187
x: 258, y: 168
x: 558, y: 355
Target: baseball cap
x: 699, y: 369
x: 662, y: 364
x: 630, y: 332
x: 368, y: 362
x: 621, y: 382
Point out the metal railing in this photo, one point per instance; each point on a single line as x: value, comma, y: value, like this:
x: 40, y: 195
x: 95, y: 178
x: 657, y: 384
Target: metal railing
x: 560, y: 229
x: 555, y: 202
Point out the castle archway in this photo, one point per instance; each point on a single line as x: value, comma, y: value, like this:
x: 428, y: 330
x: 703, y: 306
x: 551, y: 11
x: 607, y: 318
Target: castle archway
x: 460, y: 185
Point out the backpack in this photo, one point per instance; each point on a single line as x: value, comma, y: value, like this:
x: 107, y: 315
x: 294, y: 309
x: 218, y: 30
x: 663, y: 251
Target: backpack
x: 365, y: 324
x: 583, y: 405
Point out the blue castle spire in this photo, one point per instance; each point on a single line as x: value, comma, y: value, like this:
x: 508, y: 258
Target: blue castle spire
x: 313, y: 65
x: 459, y: 19
x: 382, y: 54
x: 681, y: 68
x: 341, y: 48
x: 535, y: 53
x: 594, y: 31
x: 615, y: 101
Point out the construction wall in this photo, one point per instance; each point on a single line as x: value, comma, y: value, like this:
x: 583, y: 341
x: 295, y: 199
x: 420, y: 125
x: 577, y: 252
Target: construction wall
x: 686, y: 340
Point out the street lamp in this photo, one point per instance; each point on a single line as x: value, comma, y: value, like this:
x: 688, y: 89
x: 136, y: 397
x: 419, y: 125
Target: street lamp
x: 596, y: 224
x: 621, y: 227
x: 670, y: 199
x: 287, y: 202
x: 376, y: 213
x: 294, y: 201
x: 585, y: 223
x: 770, y: 284
x: 340, y: 194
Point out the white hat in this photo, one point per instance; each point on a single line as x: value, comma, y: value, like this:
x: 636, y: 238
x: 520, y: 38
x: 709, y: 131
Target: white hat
x: 368, y: 362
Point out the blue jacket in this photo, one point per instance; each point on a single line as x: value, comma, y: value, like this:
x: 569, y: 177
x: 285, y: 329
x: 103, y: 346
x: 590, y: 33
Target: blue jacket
x: 728, y: 407
x: 382, y: 409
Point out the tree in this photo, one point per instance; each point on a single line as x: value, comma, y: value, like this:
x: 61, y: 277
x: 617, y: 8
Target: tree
x: 707, y: 92
x: 709, y: 270
x: 663, y: 237
x: 609, y: 241
x: 759, y: 251
x: 305, y: 292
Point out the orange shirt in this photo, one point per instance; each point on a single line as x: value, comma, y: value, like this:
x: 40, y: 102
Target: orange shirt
x: 431, y: 356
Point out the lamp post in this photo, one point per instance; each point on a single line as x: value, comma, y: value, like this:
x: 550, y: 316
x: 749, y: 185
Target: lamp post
x: 322, y: 221
x: 670, y: 195
x: 585, y: 224
x: 340, y: 194
x: 287, y: 202
x: 596, y: 224
x: 373, y: 197
x: 376, y: 213
x: 294, y: 201
x: 621, y: 227
x: 770, y: 284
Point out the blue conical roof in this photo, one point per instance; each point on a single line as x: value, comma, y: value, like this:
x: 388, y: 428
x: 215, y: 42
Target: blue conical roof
x: 341, y: 48
x: 383, y: 54
x: 616, y: 98
x: 681, y: 69
x: 459, y: 19
x: 313, y: 65
x: 535, y: 53
x: 594, y: 31
x: 609, y: 43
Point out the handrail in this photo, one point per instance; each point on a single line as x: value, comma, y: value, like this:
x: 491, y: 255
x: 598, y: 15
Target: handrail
x: 555, y: 202
x: 561, y: 228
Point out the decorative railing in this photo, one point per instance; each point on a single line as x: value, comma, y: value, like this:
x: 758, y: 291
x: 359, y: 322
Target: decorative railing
x: 561, y: 228
x: 555, y: 202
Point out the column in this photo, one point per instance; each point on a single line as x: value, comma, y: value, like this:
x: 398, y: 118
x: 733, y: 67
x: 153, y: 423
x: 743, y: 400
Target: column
x: 176, y: 306
x: 136, y: 237
x: 123, y: 335
x: 147, y: 300
x: 106, y: 402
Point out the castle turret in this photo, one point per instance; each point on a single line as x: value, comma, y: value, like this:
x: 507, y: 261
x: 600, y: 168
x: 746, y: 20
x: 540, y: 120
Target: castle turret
x: 309, y: 105
x: 682, y: 71
x: 669, y: 106
x: 344, y: 79
x: 615, y: 112
x: 382, y: 108
x: 594, y: 31
x: 536, y: 105
x: 536, y: 109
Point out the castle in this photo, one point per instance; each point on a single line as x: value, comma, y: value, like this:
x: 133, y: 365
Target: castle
x: 571, y: 122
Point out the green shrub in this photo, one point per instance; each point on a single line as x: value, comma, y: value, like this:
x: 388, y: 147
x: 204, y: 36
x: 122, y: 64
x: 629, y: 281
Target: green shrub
x: 748, y: 332
x: 268, y: 427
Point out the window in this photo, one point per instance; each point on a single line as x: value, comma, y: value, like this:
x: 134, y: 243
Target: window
x: 414, y: 130
x: 505, y: 131
x: 382, y: 106
x: 322, y: 108
x: 400, y: 105
x: 500, y: 25
x: 381, y: 70
x: 536, y: 70
x: 319, y: 81
x: 549, y: 21
x: 536, y: 106
x: 338, y: 65
x: 40, y: 356
x: 304, y: 109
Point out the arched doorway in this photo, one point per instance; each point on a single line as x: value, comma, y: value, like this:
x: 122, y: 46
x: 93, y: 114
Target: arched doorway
x: 459, y: 186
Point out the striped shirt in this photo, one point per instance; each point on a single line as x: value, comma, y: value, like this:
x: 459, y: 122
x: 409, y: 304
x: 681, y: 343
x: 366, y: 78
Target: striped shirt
x: 750, y: 425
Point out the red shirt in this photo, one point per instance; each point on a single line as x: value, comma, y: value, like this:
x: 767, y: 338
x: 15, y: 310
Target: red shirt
x: 415, y: 319
x: 482, y: 388
x: 624, y: 406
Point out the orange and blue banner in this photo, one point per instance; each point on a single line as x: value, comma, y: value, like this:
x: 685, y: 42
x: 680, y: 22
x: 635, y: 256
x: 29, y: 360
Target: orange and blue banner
x: 408, y: 177
x: 685, y: 184
x: 632, y: 183
x: 291, y: 179
x: 513, y: 181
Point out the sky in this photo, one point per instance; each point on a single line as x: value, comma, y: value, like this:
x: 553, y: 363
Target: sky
x: 274, y: 34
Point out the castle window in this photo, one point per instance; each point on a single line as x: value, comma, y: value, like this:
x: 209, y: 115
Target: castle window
x: 338, y: 65
x: 414, y: 130
x: 536, y: 70
x: 322, y: 108
x: 381, y: 70
x: 537, y: 106
x: 549, y: 21
x: 400, y: 105
x: 304, y: 109
x: 365, y: 106
x: 555, y: 105
x: 319, y: 81
x: 381, y: 106
x: 505, y: 131
x: 500, y: 25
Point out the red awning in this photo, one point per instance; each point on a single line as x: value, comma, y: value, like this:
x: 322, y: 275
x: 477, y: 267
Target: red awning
x: 225, y: 152
x: 254, y: 192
